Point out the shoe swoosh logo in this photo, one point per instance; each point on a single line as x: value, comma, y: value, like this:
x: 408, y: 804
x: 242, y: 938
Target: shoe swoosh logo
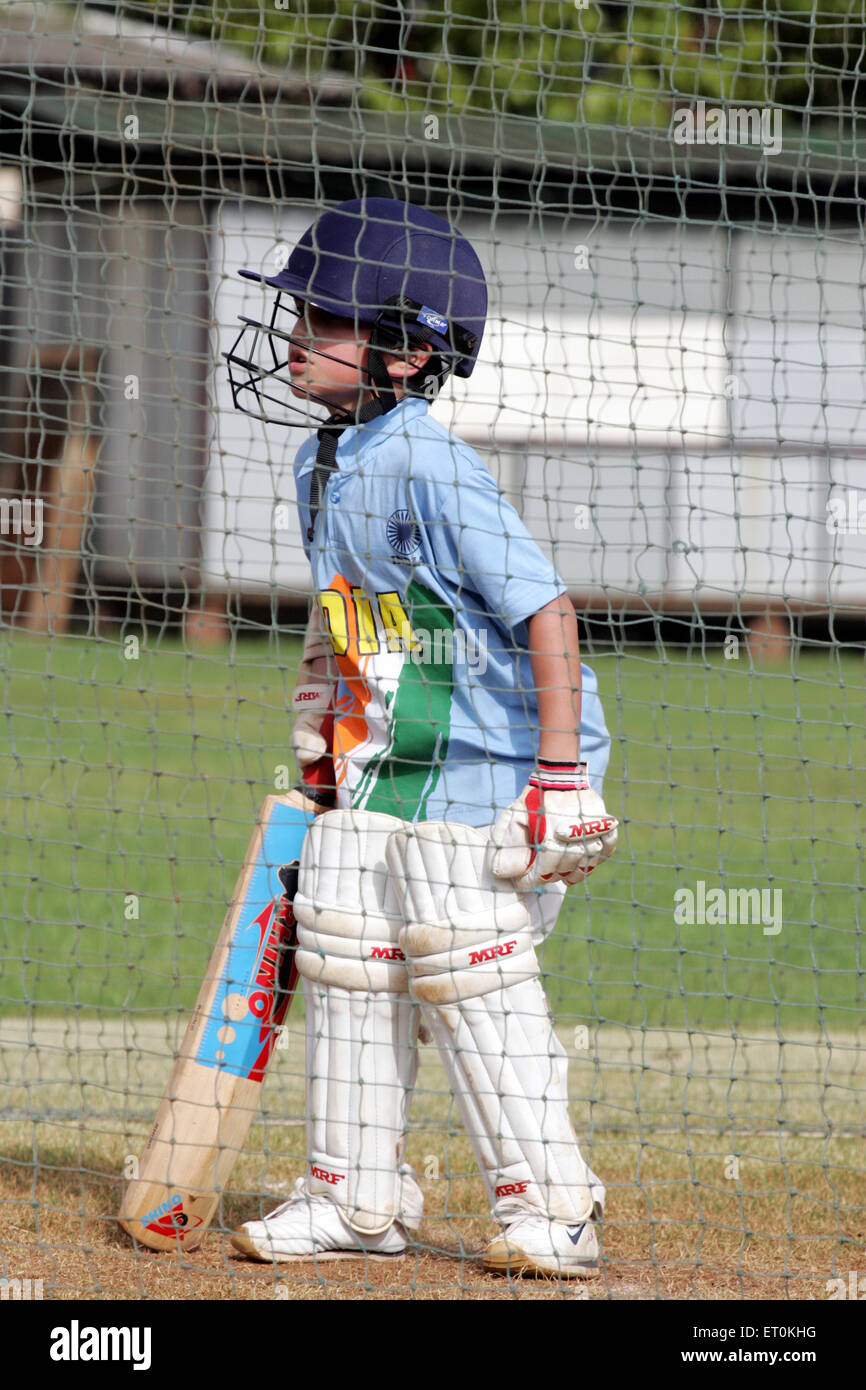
x: 576, y: 1237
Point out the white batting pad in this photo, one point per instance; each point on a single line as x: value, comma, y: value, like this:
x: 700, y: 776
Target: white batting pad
x: 361, y: 1065
x: 347, y: 907
x: 490, y: 1018
x: 466, y: 932
x: 361, y: 1024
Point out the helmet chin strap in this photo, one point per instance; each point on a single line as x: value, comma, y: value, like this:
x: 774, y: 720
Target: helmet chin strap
x: 385, y: 392
x: 328, y: 434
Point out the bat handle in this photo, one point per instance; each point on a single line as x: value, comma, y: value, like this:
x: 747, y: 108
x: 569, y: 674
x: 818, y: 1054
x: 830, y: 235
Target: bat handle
x: 318, y: 778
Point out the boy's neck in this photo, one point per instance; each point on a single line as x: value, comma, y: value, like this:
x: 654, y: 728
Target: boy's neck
x: 336, y: 412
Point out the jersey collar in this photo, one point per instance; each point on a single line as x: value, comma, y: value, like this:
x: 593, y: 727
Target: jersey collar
x: 356, y: 437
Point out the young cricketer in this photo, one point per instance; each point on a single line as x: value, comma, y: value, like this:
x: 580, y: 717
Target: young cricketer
x: 441, y: 672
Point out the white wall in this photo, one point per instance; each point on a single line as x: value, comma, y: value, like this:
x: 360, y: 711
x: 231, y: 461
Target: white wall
x: 618, y: 359
x: 250, y: 470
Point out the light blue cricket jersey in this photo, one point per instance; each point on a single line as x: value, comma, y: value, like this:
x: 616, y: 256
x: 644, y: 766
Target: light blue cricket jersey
x: 426, y: 576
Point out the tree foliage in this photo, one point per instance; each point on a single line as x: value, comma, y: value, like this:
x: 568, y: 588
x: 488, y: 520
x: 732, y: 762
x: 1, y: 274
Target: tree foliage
x: 619, y: 64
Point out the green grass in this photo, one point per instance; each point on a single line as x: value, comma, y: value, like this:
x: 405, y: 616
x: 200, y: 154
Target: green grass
x: 144, y: 777
x: 129, y: 777
x: 744, y: 777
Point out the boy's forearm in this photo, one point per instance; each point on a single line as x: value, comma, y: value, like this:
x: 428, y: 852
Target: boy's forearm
x: 555, y: 657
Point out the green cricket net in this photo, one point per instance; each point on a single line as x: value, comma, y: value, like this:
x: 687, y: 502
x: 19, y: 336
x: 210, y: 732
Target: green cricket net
x: 667, y: 203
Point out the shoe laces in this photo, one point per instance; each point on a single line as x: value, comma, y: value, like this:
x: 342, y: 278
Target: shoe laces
x: 511, y: 1211
x: 300, y: 1196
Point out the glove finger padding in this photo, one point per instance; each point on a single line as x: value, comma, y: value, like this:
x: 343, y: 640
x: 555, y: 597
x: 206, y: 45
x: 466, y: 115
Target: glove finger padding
x: 558, y: 828
x: 597, y: 841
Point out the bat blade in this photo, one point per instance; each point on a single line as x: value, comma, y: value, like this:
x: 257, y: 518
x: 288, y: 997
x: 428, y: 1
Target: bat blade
x: 213, y: 1093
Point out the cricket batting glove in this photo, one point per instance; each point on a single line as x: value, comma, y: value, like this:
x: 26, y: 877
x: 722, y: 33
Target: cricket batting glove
x: 311, y: 702
x: 557, y: 829
x: 310, y: 706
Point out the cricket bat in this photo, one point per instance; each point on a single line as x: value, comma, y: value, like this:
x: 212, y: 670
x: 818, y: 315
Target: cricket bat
x: 208, y: 1106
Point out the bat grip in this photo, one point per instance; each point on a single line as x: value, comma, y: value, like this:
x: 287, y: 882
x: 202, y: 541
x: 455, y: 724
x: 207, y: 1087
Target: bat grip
x: 317, y: 781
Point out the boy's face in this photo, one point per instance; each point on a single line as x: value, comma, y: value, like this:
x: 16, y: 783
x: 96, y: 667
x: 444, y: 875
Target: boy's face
x: 340, y: 377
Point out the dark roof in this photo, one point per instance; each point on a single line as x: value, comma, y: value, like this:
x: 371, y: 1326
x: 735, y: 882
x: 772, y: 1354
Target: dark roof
x: 81, y: 46
x: 70, y: 71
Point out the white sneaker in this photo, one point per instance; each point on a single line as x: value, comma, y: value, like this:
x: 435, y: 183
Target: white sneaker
x: 533, y: 1244
x: 312, y: 1228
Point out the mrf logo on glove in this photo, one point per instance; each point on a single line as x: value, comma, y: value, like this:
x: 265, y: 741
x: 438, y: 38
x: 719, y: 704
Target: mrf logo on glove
x: 592, y: 827
x: 557, y: 830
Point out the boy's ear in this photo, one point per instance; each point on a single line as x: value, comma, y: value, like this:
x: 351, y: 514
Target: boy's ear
x: 401, y: 368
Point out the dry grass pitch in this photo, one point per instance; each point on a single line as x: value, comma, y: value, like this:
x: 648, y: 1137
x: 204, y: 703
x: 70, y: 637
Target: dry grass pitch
x: 733, y: 1168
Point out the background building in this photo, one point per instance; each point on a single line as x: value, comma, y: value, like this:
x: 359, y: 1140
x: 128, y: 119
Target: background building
x: 671, y: 396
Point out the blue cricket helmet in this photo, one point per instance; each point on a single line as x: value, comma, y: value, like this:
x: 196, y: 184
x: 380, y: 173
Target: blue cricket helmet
x: 395, y: 265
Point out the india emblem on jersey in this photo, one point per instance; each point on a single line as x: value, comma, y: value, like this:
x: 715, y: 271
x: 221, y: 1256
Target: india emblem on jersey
x: 403, y: 534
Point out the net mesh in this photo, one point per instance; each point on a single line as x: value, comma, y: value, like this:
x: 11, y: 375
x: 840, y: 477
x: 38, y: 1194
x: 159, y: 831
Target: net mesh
x: 666, y: 202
